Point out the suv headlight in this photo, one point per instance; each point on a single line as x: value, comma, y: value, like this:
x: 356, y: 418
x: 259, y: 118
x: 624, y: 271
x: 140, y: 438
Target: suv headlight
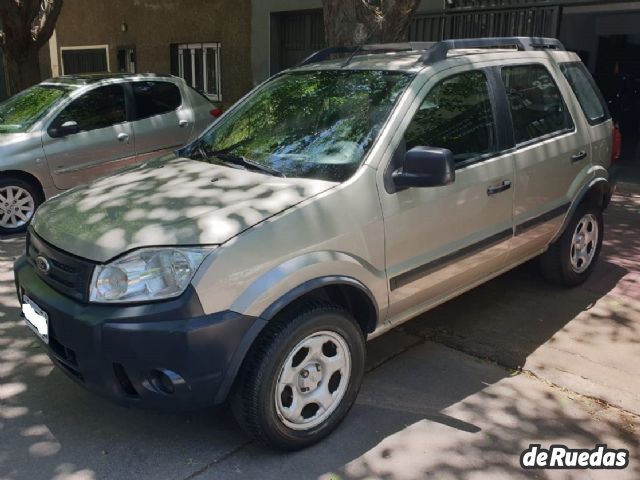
x: 146, y: 274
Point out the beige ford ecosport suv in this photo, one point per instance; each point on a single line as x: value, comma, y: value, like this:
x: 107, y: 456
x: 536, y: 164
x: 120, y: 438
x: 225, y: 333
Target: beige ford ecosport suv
x: 334, y: 202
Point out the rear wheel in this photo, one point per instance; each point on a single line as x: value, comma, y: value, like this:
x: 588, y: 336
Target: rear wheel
x: 301, y: 378
x: 572, y: 258
x: 19, y: 200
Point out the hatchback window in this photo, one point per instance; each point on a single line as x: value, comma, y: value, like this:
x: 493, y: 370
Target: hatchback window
x: 21, y: 111
x: 587, y: 93
x: 456, y: 114
x: 155, y: 98
x: 99, y: 108
x: 537, y: 107
x: 312, y: 124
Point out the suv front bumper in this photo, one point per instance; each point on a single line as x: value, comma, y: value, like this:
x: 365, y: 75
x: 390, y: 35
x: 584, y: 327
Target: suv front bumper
x: 167, y: 355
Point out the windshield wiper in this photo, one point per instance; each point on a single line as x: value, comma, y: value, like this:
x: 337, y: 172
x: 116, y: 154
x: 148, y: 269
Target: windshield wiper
x: 246, y: 163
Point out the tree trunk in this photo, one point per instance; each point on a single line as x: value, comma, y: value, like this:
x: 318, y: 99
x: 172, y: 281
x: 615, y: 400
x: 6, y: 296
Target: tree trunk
x: 356, y: 22
x: 22, y: 72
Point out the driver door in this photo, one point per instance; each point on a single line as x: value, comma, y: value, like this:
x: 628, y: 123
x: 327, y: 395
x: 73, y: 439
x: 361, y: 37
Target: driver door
x: 441, y: 240
x: 101, y: 143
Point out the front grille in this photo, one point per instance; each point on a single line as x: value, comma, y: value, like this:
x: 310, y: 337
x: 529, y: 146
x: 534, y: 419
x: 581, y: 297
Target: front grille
x: 68, y: 274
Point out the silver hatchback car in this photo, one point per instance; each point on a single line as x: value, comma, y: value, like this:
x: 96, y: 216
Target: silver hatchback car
x: 72, y: 129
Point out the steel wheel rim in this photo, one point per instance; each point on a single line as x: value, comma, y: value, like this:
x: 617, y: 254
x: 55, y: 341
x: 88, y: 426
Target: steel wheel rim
x: 584, y: 243
x: 321, y: 362
x: 17, y: 207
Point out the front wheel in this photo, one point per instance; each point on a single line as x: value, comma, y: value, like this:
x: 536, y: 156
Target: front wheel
x: 301, y: 378
x: 18, y: 202
x: 572, y: 258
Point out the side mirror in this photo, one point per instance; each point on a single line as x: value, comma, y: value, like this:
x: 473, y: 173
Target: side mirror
x: 67, y: 128
x: 425, y: 167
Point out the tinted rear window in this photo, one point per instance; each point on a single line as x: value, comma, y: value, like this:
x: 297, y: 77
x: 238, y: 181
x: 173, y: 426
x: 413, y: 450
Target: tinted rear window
x: 587, y: 93
x: 536, y: 104
x: 155, y: 98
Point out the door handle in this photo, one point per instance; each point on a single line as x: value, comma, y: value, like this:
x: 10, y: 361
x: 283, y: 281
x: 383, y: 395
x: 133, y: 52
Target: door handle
x: 579, y: 156
x: 123, y: 137
x: 506, y: 185
x: 183, y: 123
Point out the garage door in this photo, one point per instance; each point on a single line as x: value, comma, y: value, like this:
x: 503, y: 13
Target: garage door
x: 295, y: 36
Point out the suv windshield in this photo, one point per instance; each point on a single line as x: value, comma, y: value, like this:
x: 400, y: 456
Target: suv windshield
x: 21, y: 111
x: 312, y: 124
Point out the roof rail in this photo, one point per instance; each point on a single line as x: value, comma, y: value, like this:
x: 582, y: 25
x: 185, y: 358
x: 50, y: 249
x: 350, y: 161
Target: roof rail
x: 326, y: 53
x: 440, y: 49
x: 436, y: 51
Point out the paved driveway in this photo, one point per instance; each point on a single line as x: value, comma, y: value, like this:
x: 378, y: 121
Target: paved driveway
x: 430, y: 407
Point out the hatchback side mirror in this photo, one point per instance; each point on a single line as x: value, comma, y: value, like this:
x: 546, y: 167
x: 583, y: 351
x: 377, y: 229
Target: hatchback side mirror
x: 67, y: 128
x: 426, y: 167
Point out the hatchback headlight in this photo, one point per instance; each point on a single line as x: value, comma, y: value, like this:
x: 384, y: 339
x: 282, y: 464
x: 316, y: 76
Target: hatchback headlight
x: 146, y: 274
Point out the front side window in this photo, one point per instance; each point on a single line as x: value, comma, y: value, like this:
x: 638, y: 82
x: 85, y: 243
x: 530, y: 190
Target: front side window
x: 457, y: 115
x: 21, y: 111
x: 586, y: 91
x: 313, y: 124
x: 537, y: 107
x: 155, y: 98
x: 199, y: 65
x: 99, y: 108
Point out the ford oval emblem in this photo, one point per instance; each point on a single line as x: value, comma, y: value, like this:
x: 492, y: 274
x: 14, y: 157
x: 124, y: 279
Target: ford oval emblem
x: 43, y: 265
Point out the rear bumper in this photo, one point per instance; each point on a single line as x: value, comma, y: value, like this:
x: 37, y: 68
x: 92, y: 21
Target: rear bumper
x: 167, y: 355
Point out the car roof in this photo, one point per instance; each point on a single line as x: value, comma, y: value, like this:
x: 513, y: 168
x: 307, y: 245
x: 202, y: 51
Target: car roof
x: 89, y: 79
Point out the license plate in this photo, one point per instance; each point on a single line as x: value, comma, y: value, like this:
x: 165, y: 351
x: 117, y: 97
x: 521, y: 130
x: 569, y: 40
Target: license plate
x: 36, y: 318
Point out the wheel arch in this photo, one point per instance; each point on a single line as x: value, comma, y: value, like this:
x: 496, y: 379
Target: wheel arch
x: 345, y: 291
x: 27, y: 177
x: 598, y: 191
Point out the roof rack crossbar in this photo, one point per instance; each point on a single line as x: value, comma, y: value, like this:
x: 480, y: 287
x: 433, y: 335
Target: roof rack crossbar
x: 440, y: 49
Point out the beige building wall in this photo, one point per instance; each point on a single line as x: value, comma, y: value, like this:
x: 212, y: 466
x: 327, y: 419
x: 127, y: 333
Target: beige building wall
x: 152, y: 25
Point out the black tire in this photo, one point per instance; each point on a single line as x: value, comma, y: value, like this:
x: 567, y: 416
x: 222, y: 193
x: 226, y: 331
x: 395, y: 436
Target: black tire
x: 36, y: 196
x: 556, y: 264
x: 253, y: 400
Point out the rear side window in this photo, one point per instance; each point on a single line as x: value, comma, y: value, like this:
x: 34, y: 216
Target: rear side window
x: 537, y: 107
x: 155, y: 98
x: 99, y: 108
x: 587, y: 93
x: 456, y: 114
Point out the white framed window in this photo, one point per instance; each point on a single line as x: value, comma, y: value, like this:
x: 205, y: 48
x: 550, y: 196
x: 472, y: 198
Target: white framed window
x: 199, y: 65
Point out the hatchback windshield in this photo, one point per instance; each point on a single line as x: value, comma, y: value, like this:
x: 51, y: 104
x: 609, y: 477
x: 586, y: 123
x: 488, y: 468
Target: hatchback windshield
x: 313, y: 124
x: 21, y: 111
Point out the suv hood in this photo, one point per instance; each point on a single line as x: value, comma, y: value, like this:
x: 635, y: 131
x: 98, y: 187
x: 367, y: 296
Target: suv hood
x: 168, y: 201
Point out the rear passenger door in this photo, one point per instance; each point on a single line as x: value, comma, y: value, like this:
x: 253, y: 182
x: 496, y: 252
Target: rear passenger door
x: 551, y: 153
x: 440, y: 240
x: 163, y: 120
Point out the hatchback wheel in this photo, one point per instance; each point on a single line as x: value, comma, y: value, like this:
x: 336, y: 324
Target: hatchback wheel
x: 572, y: 258
x: 301, y: 378
x: 18, y: 202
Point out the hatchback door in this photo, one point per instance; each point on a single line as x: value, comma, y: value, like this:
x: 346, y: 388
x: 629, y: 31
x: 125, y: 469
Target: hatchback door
x: 90, y: 137
x: 552, y: 154
x: 442, y: 240
x: 163, y: 119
